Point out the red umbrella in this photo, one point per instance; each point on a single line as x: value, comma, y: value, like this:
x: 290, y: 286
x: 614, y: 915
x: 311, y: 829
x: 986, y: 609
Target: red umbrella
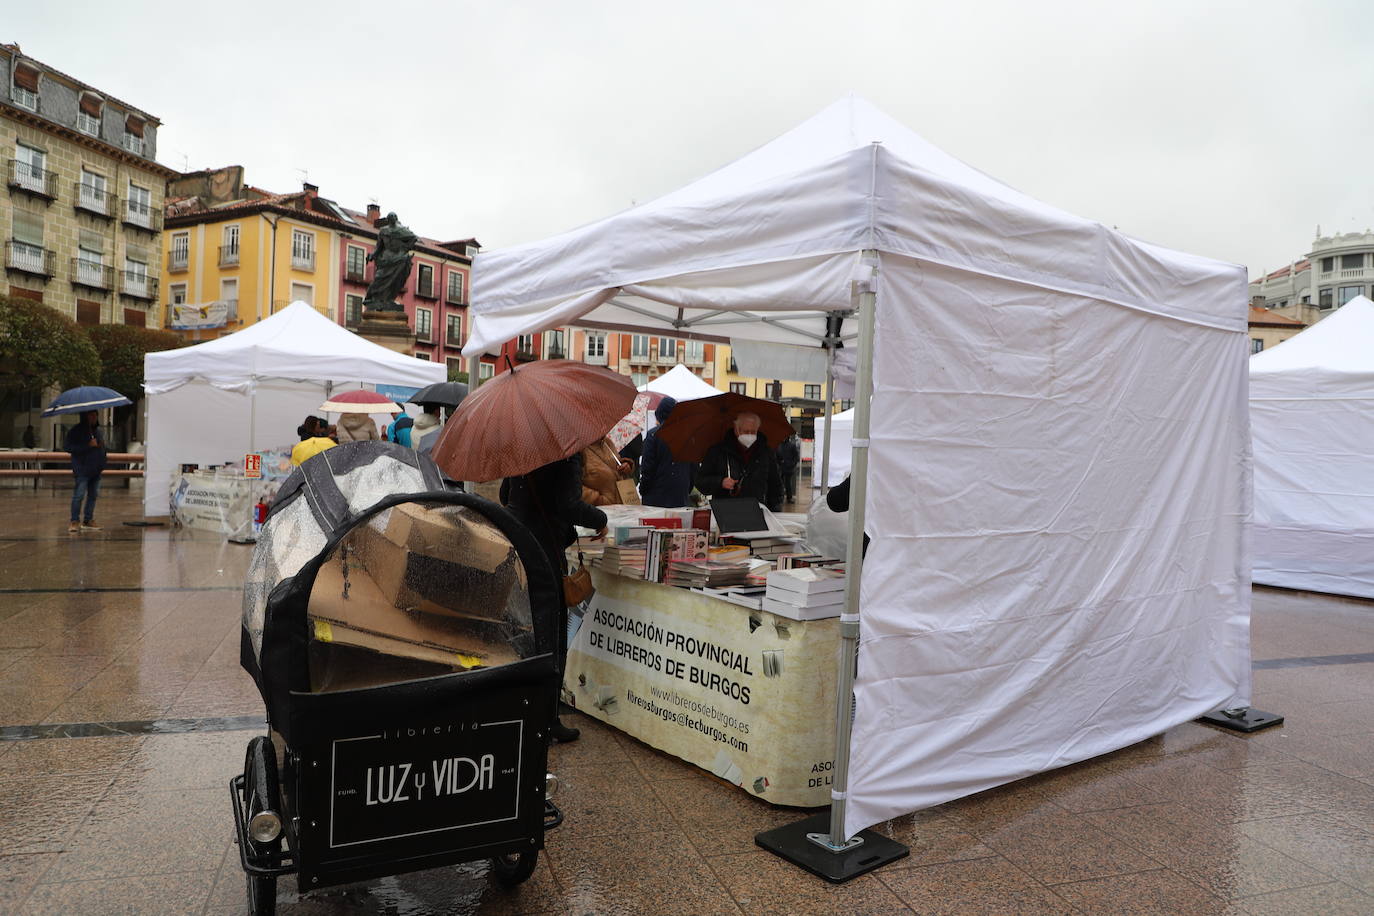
x: 531, y: 416
x: 694, y: 426
x: 360, y: 402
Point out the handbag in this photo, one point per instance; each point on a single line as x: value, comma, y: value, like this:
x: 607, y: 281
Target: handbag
x: 577, y: 584
x: 628, y: 492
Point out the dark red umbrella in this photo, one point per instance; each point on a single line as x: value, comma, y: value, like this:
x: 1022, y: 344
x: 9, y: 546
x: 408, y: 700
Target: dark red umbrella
x: 530, y: 416
x: 694, y: 426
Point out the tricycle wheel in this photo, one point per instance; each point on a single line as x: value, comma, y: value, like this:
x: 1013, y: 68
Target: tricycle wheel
x: 513, y: 868
x: 262, y: 895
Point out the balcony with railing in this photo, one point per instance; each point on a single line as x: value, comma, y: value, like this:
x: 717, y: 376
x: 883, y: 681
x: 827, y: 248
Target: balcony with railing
x: 137, y: 285
x: 142, y: 216
x: 133, y: 144
x: 455, y: 297
x: 424, y: 288
x: 31, y: 179
x: 354, y: 273
x: 91, y: 199
x: 303, y: 260
x: 228, y: 255
x: 30, y: 259
x: 178, y: 259
x: 92, y: 274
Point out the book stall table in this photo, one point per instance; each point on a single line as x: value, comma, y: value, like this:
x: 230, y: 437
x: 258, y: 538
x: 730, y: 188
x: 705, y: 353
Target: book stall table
x: 748, y: 695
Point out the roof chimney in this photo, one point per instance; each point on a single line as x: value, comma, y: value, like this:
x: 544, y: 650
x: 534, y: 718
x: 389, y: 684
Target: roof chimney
x: 374, y: 213
x: 311, y: 190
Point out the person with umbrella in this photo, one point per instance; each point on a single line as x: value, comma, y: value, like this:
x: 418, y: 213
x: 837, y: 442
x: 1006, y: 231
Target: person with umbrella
x: 87, y: 447
x: 663, y: 480
x: 529, y: 425
x: 742, y: 464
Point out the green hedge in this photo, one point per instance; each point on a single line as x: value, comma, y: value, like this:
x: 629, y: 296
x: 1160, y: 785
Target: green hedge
x: 40, y: 346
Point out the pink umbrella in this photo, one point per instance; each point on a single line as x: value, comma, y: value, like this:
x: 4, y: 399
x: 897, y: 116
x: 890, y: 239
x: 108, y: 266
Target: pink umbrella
x: 360, y: 402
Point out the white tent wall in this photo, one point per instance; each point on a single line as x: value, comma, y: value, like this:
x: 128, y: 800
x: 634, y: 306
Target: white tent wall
x: 1058, y: 566
x: 1060, y: 452
x: 1310, y: 414
x: 198, y: 423
x: 842, y: 431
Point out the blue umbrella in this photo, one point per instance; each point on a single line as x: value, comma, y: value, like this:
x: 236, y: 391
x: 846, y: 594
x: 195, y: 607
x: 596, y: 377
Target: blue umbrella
x: 87, y: 397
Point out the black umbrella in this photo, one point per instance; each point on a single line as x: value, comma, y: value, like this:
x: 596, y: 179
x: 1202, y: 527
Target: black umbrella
x: 445, y: 394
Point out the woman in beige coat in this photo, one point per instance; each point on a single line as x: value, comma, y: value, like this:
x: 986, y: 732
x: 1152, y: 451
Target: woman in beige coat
x: 602, y: 466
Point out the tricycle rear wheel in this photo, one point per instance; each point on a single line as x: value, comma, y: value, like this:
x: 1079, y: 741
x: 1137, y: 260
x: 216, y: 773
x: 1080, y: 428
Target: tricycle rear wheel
x: 514, y: 868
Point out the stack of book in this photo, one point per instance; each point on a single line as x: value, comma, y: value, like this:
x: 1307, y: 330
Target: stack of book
x: 729, y: 553
x: 705, y: 574
x: 666, y: 545
x: 801, y: 560
x: 808, y: 593
x: 770, y: 548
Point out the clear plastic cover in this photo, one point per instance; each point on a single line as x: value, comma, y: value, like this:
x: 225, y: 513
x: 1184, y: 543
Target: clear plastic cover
x: 418, y: 590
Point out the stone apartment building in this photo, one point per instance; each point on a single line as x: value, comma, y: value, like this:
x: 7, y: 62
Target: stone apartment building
x: 83, y: 196
x: 1335, y: 270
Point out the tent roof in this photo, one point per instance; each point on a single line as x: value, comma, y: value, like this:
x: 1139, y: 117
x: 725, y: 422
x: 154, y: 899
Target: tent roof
x: 1332, y: 358
x: 297, y: 343
x: 681, y: 384
x: 756, y: 249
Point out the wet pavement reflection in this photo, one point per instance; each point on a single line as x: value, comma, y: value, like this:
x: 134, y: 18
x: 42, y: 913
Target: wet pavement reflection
x: 124, y: 712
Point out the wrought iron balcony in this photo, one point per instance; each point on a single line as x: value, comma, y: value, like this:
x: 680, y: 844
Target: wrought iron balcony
x: 93, y: 200
x: 303, y: 260
x: 455, y: 297
x: 32, y: 180
x: 228, y: 255
x: 30, y: 259
x: 555, y: 353
x: 137, y: 285
x: 355, y: 274
x: 142, y: 216
x: 92, y: 274
x: 178, y: 259
x: 133, y: 144
x: 425, y: 290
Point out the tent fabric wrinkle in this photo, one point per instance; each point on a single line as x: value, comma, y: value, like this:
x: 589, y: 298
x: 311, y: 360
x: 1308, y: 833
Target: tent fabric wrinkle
x: 1314, y: 485
x: 1059, y: 454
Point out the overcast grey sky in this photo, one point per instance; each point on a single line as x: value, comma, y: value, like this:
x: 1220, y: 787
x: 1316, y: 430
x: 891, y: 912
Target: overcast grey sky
x: 1229, y: 129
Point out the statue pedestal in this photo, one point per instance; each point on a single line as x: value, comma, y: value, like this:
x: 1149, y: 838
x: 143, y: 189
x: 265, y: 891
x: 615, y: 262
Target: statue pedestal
x: 389, y: 329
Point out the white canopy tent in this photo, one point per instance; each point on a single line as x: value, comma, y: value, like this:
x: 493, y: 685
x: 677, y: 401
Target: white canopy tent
x: 840, y: 441
x: 1059, y: 443
x: 681, y: 384
x: 1310, y: 414
x: 224, y: 398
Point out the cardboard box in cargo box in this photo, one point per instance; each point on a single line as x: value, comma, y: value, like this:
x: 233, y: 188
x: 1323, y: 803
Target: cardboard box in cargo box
x: 367, y: 619
x: 439, y: 561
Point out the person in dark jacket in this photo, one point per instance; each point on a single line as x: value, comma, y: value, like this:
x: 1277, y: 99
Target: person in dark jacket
x: 548, y: 501
x: 633, y: 452
x: 742, y: 464
x: 87, y: 448
x: 663, y: 481
x: 789, y: 457
x: 837, y: 500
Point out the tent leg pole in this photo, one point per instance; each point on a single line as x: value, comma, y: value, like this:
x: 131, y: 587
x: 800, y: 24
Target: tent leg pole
x: 818, y: 843
x: 829, y: 412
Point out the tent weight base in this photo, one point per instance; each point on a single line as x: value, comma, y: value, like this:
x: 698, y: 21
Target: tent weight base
x: 1242, y: 719
x: 791, y: 842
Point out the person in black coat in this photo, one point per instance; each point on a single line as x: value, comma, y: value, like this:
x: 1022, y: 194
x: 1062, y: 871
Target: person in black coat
x: 663, y: 481
x: 742, y: 464
x: 548, y: 501
x: 87, y: 448
x: 633, y: 452
x: 789, y: 457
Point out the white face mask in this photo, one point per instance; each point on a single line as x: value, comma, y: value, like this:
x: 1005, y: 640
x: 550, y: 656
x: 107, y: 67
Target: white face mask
x: 747, y: 439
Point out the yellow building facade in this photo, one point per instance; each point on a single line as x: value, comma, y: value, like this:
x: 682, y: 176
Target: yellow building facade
x: 803, y: 401
x: 257, y: 256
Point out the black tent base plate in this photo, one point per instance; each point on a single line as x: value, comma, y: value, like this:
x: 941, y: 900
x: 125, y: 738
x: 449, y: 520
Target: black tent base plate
x: 1248, y: 720
x: 144, y: 524
x: 790, y: 842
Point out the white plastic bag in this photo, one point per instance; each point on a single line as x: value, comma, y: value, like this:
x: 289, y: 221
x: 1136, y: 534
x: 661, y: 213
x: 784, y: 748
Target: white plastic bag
x: 827, y: 531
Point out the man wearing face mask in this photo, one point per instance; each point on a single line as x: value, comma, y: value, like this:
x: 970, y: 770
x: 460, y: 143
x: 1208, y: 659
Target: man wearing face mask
x: 742, y: 464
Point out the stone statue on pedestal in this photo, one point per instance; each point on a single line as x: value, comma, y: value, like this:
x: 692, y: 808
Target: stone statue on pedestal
x: 392, y: 255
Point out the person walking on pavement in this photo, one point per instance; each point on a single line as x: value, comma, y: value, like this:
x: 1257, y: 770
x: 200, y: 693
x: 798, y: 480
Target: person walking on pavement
x: 548, y: 501
x: 742, y: 464
x: 663, y: 481
x: 87, y: 448
x: 789, y: 457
